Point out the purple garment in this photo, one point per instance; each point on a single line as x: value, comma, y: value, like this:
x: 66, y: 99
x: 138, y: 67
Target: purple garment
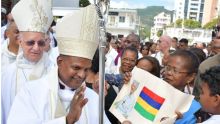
x: 118, y: 56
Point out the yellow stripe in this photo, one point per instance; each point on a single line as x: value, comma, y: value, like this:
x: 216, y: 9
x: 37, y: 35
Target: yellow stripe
x: 146, y: 106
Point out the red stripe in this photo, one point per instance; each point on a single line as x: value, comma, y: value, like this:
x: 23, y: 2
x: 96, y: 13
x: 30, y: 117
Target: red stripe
x: 152, y: 95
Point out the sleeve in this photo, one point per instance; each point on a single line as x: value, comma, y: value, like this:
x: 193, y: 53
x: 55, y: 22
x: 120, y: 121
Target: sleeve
x: 24, y: 111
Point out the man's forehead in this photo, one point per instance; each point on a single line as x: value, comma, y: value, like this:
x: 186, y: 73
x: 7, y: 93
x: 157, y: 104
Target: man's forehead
x: 30, y: 34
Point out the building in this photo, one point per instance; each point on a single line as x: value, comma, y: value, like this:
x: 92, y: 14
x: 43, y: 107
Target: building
x: 193, y: 35
x: 189, y: 9
x: 160, y: 22
x: 211, y: 10
x: 122, y: 22
x: 179, y: 9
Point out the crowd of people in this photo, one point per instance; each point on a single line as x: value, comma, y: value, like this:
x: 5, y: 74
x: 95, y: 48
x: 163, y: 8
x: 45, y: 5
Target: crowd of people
x: 51, y: 76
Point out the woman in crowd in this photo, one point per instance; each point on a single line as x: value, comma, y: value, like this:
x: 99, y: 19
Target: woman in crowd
x: 145, y: 49
x: 149, y: 64
x: 180, y: 71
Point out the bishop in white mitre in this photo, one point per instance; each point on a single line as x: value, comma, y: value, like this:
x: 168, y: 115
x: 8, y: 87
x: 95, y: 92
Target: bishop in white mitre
x: 33, y: 18
x: 49, y: 100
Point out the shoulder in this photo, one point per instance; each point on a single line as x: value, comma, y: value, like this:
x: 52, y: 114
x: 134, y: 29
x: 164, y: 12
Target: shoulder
x: 212, y: 61
x: 215, y: 119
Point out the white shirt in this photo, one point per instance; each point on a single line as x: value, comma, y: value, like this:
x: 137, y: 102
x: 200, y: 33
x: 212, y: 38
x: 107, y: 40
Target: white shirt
x: 158, y: 56
x: 16, y: 75
x: 7, y: 57
x: 3, y: 28
x: 110, y: 58
x: 214, y: 119
x: 38, y: 103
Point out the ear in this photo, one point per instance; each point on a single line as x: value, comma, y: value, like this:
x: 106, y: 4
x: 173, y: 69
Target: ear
x: 191, y: 77
x: 216, y: 100
x: 59, y: 60
x: 6, y: 33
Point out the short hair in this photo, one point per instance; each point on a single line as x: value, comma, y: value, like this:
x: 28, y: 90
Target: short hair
x: 147, y: 44
x: 156, y: 65
x: 192, y: 60
x: 184, y: 40
x: 199, y: 53
x: 176, y: 39
x: 108, y: 37
x: 136, y: 36
x: 212, y: 78
x: 131, y: 48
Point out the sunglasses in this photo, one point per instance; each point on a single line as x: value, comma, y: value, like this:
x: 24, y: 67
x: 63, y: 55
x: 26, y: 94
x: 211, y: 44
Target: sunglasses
x: 40, y: 43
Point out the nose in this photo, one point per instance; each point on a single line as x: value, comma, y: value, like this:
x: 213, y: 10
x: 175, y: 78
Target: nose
x: 36, y: 47
x: 81, y: 74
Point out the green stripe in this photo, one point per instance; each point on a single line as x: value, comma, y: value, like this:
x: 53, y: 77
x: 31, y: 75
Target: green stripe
x: 143, y: 112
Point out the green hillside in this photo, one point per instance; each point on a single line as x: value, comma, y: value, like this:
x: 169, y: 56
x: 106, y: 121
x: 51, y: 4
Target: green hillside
x: 147, y: 16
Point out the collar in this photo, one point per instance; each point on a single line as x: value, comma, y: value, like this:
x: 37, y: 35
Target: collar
x: 63, y: 86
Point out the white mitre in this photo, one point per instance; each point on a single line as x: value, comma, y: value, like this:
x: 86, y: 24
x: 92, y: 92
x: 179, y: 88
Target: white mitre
x: 33, y: 15
x: 77, y: 33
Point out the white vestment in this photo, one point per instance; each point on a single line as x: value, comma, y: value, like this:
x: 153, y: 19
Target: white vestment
x: 110, y: 58
x: 16, y: 75
x: 42, y: 102
x: 7, y: 57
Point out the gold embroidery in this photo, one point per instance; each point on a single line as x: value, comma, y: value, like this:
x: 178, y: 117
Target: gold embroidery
x: 39, y: 21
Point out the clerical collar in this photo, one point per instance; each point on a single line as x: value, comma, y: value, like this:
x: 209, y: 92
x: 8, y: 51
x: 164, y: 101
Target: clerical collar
x: 63, y: 86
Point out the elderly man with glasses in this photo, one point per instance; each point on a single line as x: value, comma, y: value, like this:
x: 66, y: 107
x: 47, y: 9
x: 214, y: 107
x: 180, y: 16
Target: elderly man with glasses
x: 33, y: 19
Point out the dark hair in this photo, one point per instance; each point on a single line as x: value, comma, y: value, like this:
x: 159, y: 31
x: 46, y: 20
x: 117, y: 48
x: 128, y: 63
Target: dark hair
x: 148, y: 45
x: 156, y: 65
x: 199, y: 53
x: 95, y: 62
x: 136, y: 36
x: 176, y: 39
x: 131, y: 48
x: 184, y: 40
x: 108, y: 37
x: 212, y: 78
x: 192, y: 60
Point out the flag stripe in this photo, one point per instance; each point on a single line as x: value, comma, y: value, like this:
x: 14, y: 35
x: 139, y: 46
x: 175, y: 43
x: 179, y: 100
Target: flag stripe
x: 154, y: 96
x: 144, y: 113
x: 150, y: 101
x: 146, y: 106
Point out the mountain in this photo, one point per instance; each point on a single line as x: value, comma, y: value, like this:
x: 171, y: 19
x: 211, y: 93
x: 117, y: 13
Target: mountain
x: 147, y: 15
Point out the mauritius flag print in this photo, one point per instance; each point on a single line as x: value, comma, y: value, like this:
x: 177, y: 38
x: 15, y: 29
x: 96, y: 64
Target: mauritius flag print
x: 148, y: 104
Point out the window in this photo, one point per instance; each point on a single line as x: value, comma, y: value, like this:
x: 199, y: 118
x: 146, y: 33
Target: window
x: 193, y: 9
x: 121, y: 19
x: 112, y: 19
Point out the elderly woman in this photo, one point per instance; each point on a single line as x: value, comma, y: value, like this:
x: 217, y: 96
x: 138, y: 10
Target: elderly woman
x: 180, y: 71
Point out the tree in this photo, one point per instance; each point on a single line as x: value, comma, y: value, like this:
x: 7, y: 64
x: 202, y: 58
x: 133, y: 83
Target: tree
x: 212, y: 23
x: 144, y: 32
x: 178, y: 23
x: 159, y: 33
x: 84, y: 3
x: 189, y: 23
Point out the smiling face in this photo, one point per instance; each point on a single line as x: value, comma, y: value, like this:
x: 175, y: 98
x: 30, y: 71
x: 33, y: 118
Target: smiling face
x: 73, y: 70
x: 32, y: 44
x: 128, y: 61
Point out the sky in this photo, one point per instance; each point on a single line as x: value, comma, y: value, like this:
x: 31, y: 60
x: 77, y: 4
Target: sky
x: 168, y: 4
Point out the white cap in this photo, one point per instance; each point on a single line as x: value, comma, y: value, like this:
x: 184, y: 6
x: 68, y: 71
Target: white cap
x: 3, y: 10
x: 33, y: 15
x: 77, y: 33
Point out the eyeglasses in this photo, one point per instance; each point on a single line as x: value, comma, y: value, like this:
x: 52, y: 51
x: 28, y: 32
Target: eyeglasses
x: 40, y: 43
x: 145, y: 49
x: 128, y: 60
x: 173, y: 70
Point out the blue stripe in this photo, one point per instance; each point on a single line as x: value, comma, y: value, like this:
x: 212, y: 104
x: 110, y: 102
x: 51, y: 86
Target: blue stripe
x: 150, y: 101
